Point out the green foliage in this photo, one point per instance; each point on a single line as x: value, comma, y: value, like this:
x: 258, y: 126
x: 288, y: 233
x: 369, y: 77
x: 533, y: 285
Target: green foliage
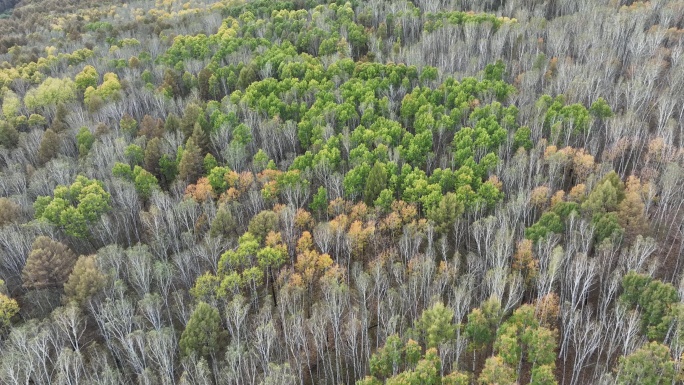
x: 496, y: 371
x: 84, y: 140
x: 600, y: 109
x: 129, y: 125
x: 387, y: 360
x: 9, y: 136
x: 134, y: 154
x: 217, y: 179
x: 263, y: 223
x: 50, y: 92
x: 375, y: 183
x: 8, y: 309
x: 649, y: 365
x: 481, y: 326
x: 209, y: 163
x: 549, y: 223
x: 496, y: 71
x: 436, y: 326
x: 11, y: 105
x: 191, y: 162
x: 87, y: 78
x: 654, y: 299
x: 522, y: 336
x: 223, y: 224
x: 319, y: 202
x: 203, y: 335
x: 605, y: 196
x: 168, y: 169
x: 74, y: 208
x: 606, y: 226
x: 522, y: 138
x: 109, y: 90
x: 144, y: 181
x: 290, y: 104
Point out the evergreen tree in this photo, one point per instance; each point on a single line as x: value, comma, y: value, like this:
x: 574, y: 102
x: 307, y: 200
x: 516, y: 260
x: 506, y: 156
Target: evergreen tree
x: 436, y: 325
x: 200, y: 137
x: 203, y: 335
x: 649, y: 365
x: 152, y: 156
x: 9, y: 136
x: 84, y: 281
x: 376, y: 182
x: 49, y: 146
x: 190, y: 166
x: 48, y: 265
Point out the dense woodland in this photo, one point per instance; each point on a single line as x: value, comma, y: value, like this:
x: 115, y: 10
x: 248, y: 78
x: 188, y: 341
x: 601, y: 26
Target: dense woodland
x: 353, y: 192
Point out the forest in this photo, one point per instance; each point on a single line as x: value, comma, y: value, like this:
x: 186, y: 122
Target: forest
x: 397, y: 192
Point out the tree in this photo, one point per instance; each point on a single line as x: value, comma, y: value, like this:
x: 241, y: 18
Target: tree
x: 203, y: 335
x: 436, y: 325
x: 50, y: 92
x: 481, y: 326
x: 190, y: 117
x: 87, y: 78
x: 203, y: 80
x: 375, y: 183
x: 151, y: 128
x: 59, y: 123
x: 224, y: 224
x: 84, y: 141
x: 247, y: 76
x: 496, y: 371
x: 152, y: 156
x: 190, y: 166
x: 134, y: 154
x: 524, y: 261
x: 200, y: 137
x: 9, y: 136
x: 48, y: 265
x: 654, y: 298
x: 8, y: 309
x: 649, y: 365
x: 630, y: 211
x: 73, y: 208
x: 144, y: 182
x: 129, y: 125
x: 85, y: 280
x: 109, y: 90
x: 49, y: 146
x: 445, y: 214
x: 9, y: 211
x: 263, y: 223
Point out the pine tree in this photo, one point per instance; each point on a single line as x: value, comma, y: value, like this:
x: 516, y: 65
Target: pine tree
x: 9, y: 136
x: 9, y: 211
x: 48, y: 265
x: 436, y: 325
x: 376, y: 182
x: 49, y: 146
x: 59, y: 122
x: 200, y: 137
x: 84, y: 281
x: 203, y: 335
x: 152, y: 156
x: 649, y: 365
x: 190, y: 166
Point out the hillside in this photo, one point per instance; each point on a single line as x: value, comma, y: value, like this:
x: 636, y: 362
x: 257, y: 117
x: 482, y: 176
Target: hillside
x: 352, y: 192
